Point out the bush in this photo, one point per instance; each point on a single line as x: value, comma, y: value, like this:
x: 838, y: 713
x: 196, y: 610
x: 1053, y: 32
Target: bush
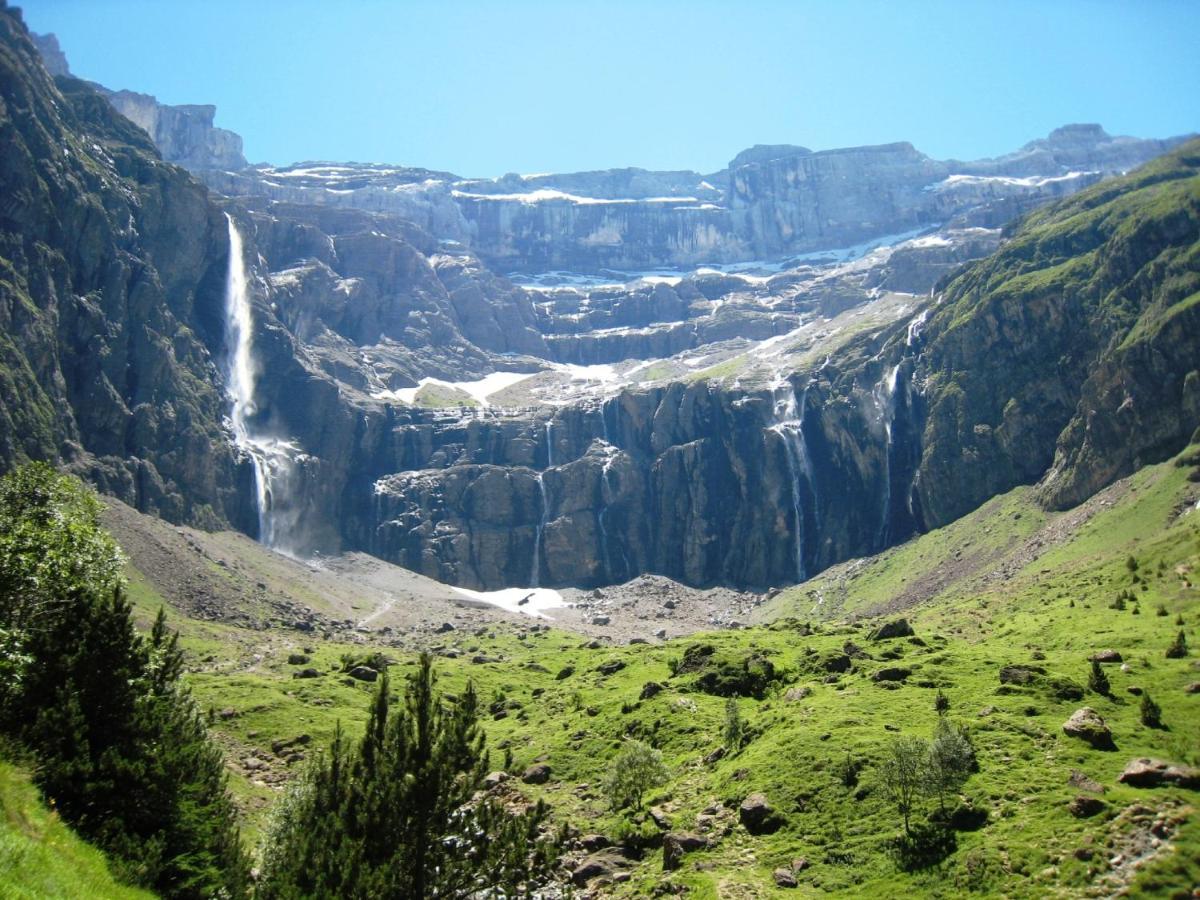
x: 1098, y: 681
x: 1151, y: 713
x: 1178, y: 648
x: 735, y: 729
x: 636, y: 768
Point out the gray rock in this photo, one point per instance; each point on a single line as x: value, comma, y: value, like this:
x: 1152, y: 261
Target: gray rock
x: 1088, y: 725
x: 785, y: 878
x: 893, y: 629
x: 1083, y: 807
x: 1145, y: 772
x: 676, y: 844
x: 538, y: 773
x: 757, y: 815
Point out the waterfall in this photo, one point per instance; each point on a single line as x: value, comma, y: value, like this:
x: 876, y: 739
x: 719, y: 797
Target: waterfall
x: 273, y: 459
x: 536, y: 567
x: 549, y: 443
x: 885, y: 401
x: 789, y: 426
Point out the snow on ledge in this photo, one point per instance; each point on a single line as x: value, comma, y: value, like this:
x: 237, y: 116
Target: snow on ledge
x: 529, y: 601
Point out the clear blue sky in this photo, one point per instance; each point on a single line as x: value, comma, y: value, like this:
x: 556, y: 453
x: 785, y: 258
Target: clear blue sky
x: 487, y: 88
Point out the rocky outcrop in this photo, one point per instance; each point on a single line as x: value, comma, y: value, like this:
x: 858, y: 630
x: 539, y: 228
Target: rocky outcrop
x: 184, y: 135
x: 111, y: 298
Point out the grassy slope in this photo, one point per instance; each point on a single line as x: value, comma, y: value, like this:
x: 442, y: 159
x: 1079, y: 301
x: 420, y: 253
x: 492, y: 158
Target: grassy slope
x: 1042, y: 590
x: 40, y: 857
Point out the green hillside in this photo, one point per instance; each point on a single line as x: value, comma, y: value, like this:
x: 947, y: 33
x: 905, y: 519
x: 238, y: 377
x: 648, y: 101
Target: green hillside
x: 42, y: 859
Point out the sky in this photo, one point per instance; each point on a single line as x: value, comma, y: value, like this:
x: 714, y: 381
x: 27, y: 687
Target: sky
x: 485, y: 88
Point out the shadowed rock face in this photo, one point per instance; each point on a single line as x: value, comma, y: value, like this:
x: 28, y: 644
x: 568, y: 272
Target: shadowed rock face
x: 1070, y: 351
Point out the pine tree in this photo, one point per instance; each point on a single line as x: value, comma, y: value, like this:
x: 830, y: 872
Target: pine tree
x: 1178, y: 648
x: 735, y: 728
x: 120, y: 748
x: 402, y: 815
x: 1098, y: 681
x: 1151, y: 713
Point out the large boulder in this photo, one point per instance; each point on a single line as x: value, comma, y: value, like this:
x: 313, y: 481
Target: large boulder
x: 539, y: 773
x: 1144, y: 772
x: 676, y: 844
x: 1088, y: 725
x: 894, y: 629
x: 1107, y: 656
x: 603, y: 864
x: 1083, y: 806
x: 758, y: 816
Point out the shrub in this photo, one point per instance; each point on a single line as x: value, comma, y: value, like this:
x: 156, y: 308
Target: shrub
x: 735, y: 728
x: 1150, y: 712
x: 1178, y: 648
x: 635, y: 769
x: 1098, y: 681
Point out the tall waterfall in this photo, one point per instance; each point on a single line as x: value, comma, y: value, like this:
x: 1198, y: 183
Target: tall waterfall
x: 789, y: 426
x: 885, y: 401
x: 536, y: 565
x: 273, y: 459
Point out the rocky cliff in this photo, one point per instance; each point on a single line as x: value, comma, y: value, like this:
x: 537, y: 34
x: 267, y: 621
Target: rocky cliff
x: 748, y: 425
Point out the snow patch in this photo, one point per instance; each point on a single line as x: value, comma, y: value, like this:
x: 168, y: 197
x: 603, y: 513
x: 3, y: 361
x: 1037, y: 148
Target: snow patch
x: 479, y: 390
x: 529, y: 601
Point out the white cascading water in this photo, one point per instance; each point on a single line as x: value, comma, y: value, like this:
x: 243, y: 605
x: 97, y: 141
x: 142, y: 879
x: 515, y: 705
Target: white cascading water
x: 789, y: 426
x: 536, y: 565
x: 273, y: 460
x: 885, y: 401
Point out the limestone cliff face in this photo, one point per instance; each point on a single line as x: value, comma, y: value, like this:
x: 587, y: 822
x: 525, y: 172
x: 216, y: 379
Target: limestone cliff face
x: 111, y: 291
x: 185, y: 135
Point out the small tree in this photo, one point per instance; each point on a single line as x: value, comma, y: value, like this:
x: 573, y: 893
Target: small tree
x: 1151, y: 712
x: 1098, y: 681
x: 636, y: 769
x: 902, y: 775
x: 735, y: 728
x: 941, y: 703
x: 1178, y: 648
x: 950, y: 760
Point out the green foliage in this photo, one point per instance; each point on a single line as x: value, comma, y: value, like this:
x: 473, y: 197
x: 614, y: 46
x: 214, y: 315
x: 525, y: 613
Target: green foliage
x: 42, y: 858
x: 637, y: 768
x: 1150, y: 712
x: 398, y: 815
x: 735, y: 728
x: 746, y: 674
x: 51, y: 543
x: 902, y: 775
x: 950, y: 761
x: 1098, y: 681
x: 121, y: 749
x: 1179, y: 647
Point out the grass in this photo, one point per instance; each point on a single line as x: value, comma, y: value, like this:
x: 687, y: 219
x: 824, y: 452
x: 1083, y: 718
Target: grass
x: 1051, y: 608
x: 40, y: 857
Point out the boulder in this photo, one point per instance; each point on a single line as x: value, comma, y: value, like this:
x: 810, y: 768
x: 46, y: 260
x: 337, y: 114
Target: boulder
x: 1084, y: 783
x: 611, y: 667
x: 757, y: 815
x: 605, y: 863
x: 650, y: 689
x: 538, y: 773
x: 363, y: 673
x: 892, y: 673
x: 785, y: 878
x: 676, y: 844
x: 593, y: 842
x: 1144, y: 772
x: 1087, y: 724
x: 493, y: 780
x: 1020, y: 674
x: 800, y: 863
x: 797, y: 693
x: 1107, y: 656
x: 307, y: 673
x: 659, y: 817
x: 894, y: 629
x: 1083, y: 806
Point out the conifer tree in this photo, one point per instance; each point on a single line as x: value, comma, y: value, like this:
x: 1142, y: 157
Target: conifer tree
x: 403, y: 814
x: 1098, y: 681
